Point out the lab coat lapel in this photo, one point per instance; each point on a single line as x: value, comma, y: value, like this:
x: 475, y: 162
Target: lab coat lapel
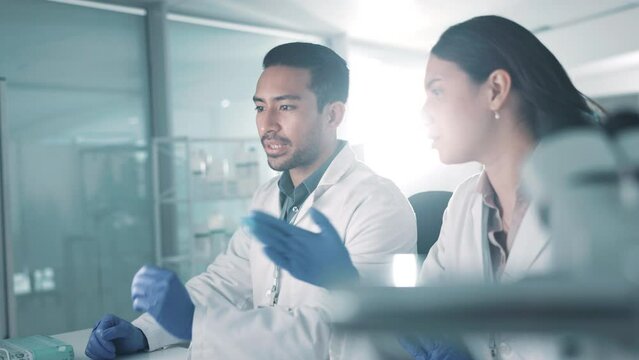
x: 335, y: 171
x: 530, y: 241
x: 479, y: 229
x: 272, y: 203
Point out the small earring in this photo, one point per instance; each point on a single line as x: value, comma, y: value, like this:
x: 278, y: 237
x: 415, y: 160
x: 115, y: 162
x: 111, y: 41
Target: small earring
x: 497, y: 117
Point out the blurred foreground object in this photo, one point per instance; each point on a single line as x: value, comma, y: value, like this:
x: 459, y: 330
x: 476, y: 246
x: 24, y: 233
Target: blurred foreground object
x: 585, y: 185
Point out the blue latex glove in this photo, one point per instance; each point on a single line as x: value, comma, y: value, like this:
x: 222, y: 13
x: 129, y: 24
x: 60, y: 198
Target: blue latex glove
x: 161, y: 293
x: 113, y: 336
x: 428, y: 349
x: 317, y: 258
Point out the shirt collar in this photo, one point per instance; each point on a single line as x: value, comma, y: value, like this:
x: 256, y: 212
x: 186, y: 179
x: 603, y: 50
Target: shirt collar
x: 286, y: 184
x: 309, y: 184
x: 486, y: 190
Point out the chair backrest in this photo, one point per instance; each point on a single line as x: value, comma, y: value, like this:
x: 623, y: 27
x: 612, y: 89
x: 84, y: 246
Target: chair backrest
x: 429, y: 209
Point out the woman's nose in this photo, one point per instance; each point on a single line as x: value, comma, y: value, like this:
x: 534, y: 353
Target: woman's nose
x: 426, y: 116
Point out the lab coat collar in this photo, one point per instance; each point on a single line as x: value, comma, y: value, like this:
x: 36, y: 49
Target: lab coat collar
x: 339, y: 167
x: 530, y: 242
x: 477, y: 213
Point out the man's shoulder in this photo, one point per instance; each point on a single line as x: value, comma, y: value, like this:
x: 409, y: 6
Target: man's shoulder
x: 265, y: 189
x: 268, y: 185
x: 362, y: 181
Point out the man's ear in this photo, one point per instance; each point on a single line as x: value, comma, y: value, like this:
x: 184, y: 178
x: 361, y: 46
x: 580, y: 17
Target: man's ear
x: 335, y: 113
x: 499, y: 84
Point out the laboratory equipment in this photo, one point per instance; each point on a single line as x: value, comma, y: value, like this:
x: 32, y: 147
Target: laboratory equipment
x: 35, y: 347
x: 202, y: 187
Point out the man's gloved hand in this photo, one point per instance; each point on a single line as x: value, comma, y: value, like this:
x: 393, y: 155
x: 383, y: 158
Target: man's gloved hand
x: 317, y: 258
x: 161, y: 293
x: 113, y: 336
x: 429, y: 349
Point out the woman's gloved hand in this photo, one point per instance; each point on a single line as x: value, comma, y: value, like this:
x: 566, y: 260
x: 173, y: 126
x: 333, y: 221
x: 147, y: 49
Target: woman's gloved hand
x: 429, y: 349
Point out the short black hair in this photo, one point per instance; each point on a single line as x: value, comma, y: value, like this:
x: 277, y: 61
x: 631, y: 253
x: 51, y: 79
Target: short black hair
x: 329, y: 72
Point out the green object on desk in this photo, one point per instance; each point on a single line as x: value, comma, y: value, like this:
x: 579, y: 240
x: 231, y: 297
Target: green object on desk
x: 37, y: 347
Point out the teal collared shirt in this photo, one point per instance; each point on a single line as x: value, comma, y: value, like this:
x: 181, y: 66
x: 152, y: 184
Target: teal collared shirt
x: 291, y: 197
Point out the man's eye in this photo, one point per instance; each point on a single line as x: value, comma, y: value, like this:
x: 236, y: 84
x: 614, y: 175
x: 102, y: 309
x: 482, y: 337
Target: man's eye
x: 286, y: 107
x: 259, y: 108
x: 436, y: 92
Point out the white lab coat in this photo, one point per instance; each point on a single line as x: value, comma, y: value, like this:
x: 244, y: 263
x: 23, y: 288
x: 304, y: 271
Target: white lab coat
x: 232, y: 318
x: 461, y: 256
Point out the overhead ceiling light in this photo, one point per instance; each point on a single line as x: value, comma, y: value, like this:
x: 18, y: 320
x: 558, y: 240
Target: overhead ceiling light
x: 382, y: 18
x: 609, y: 64
x: 102, y: 6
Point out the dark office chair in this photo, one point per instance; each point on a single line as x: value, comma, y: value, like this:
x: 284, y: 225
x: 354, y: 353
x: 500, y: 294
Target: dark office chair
x: 429, y: 208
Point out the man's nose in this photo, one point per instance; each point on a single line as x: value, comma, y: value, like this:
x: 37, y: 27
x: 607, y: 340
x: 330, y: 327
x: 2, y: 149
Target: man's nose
x: 268, y: 121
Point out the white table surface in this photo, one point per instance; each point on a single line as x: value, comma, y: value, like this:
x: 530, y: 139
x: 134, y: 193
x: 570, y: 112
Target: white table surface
x: 78, y: 339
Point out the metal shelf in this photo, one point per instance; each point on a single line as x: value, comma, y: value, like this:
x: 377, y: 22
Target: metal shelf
x: 189, y: 173
x: 205, y: 200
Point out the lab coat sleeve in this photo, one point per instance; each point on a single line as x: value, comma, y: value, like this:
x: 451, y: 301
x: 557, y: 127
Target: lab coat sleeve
x: 226, y: 332
x: 155, y: 334
x: 383, y: 225
x: 434, y: 267
x: 228, y: 277
x: 438, y: 266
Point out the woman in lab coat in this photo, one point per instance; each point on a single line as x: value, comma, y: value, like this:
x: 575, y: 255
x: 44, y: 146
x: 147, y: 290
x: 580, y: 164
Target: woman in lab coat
x: 493, y: 90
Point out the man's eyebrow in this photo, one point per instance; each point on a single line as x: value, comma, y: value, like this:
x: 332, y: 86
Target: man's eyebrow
x: 278, y: 98
x: 288, y: 97
x: 431, y: 82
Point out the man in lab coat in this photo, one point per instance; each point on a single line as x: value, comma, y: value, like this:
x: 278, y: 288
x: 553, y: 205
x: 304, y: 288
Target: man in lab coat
x: 243, y: 306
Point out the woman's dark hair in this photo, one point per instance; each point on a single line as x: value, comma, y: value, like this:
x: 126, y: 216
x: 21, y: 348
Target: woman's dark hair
x: 481, y: 45
x: 621, y: 121
x: 329, y: 72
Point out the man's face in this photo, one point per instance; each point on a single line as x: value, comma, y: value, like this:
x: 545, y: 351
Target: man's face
x: 289, y: 124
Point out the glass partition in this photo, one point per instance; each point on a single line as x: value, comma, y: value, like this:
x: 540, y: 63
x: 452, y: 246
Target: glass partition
x: 213, y: 75
x: 78, y: 167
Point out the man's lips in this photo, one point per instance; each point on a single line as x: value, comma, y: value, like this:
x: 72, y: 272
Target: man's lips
x: 274, y: 147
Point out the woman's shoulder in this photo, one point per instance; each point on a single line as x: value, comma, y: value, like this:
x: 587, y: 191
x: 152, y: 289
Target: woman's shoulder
x: 467, y: 187
x: 465, y: 194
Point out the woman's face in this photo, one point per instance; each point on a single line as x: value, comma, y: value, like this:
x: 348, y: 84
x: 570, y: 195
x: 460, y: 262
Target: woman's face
x: 457, y: 112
